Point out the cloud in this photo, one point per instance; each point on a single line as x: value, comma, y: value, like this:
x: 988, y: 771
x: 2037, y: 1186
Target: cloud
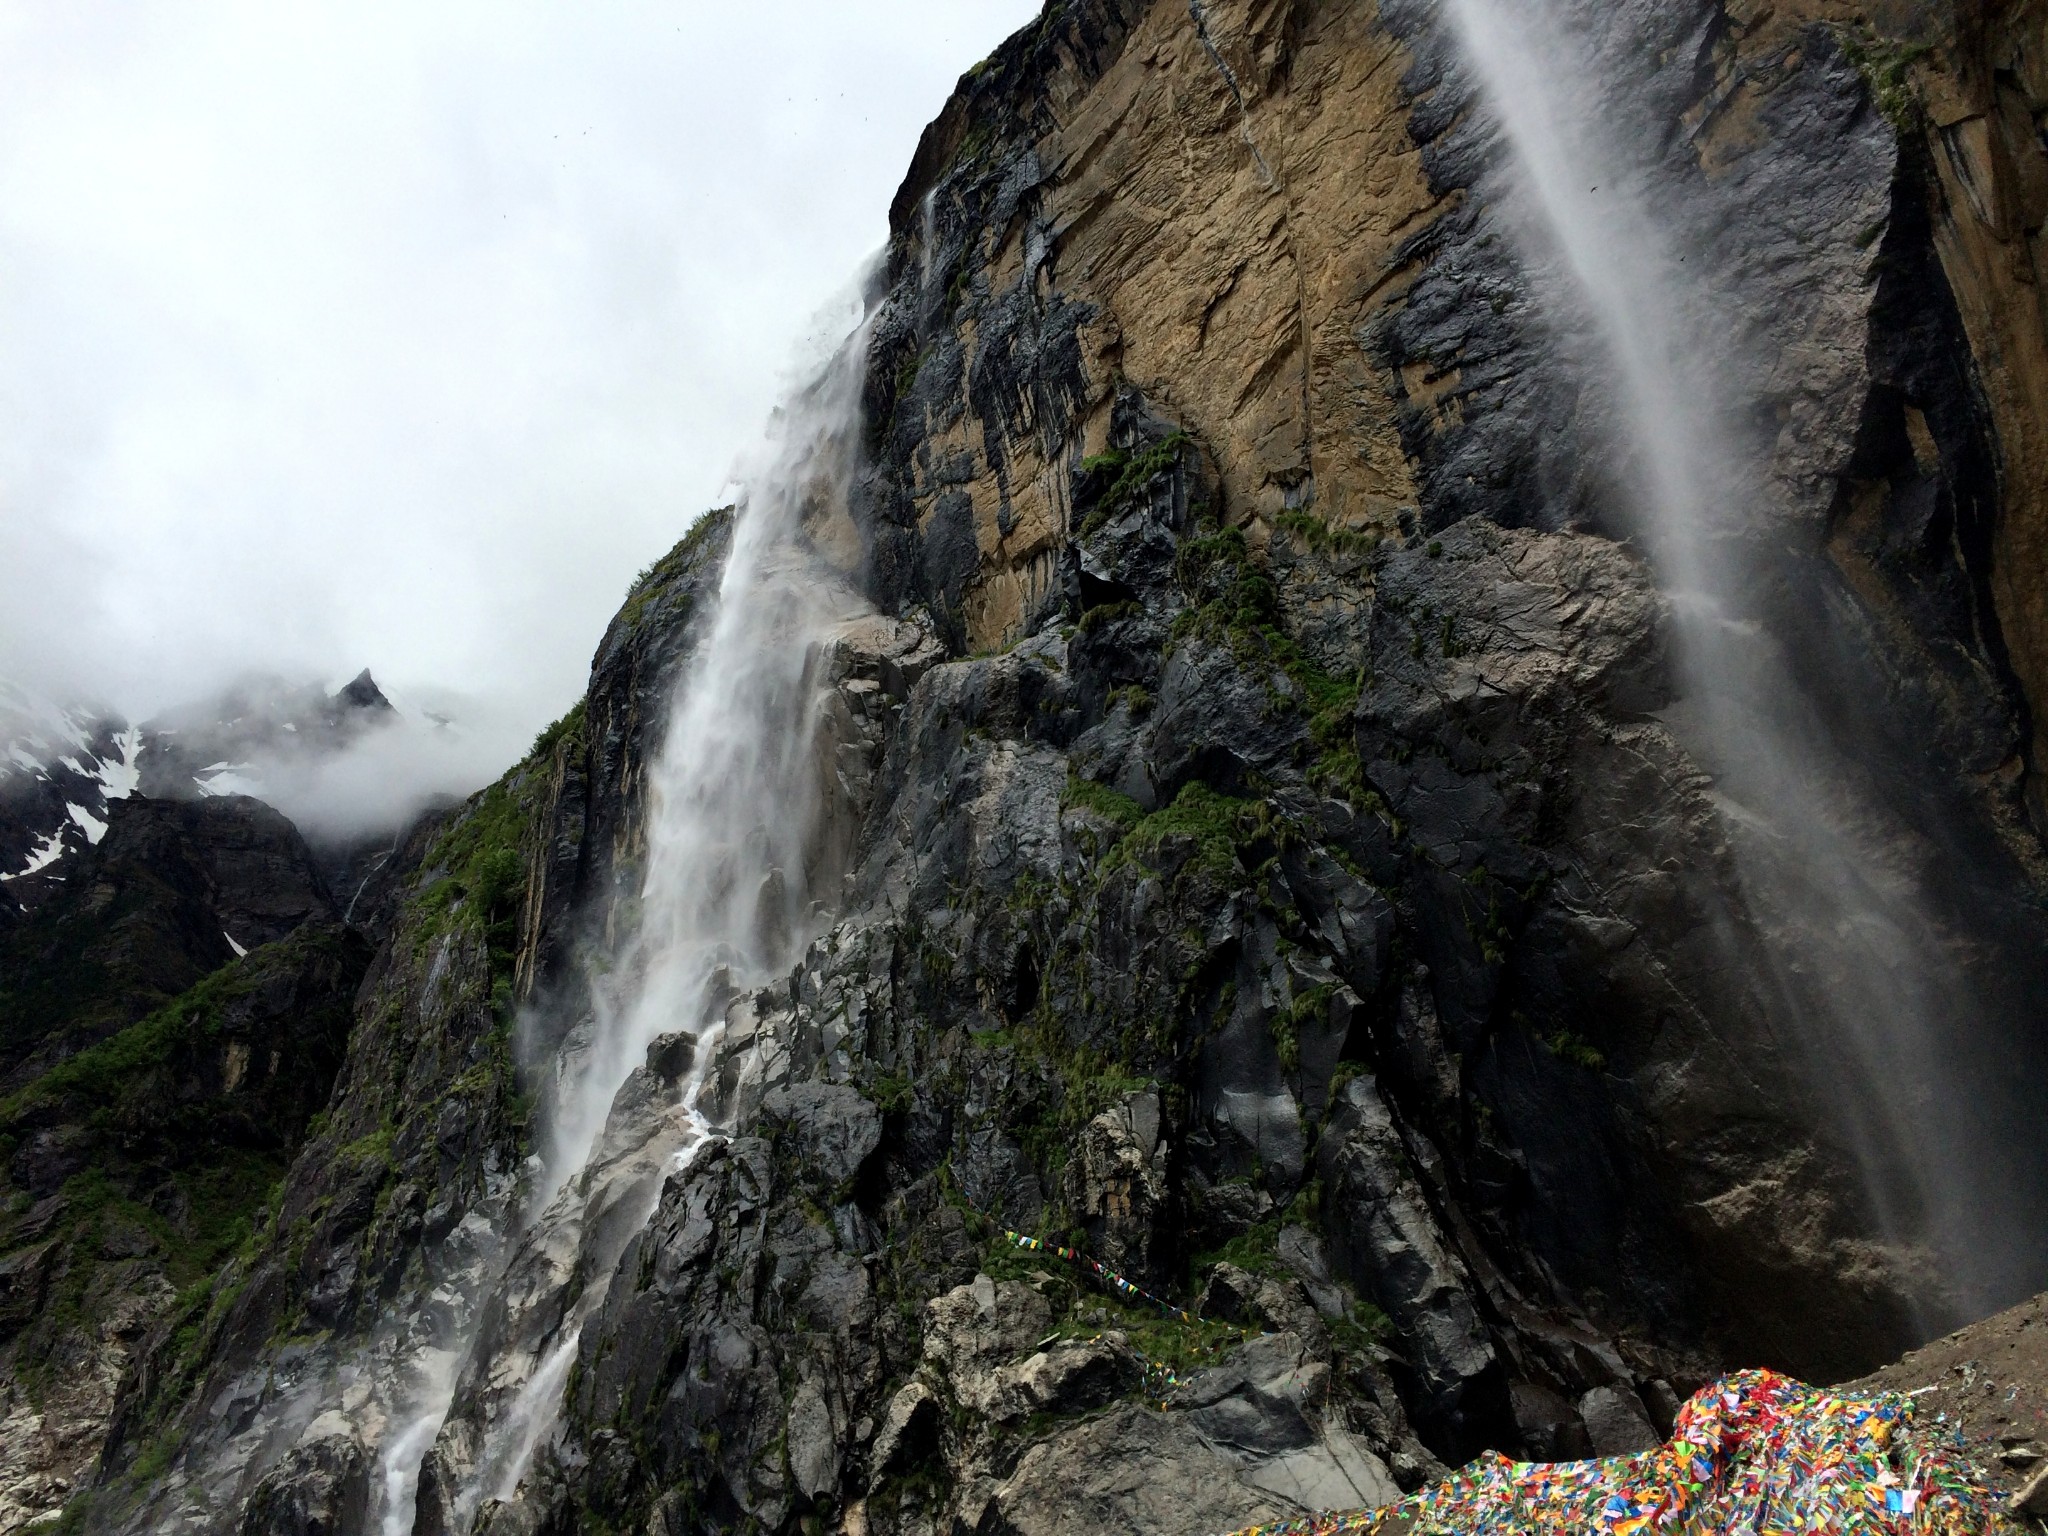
x: 400, y: 335
x: 385, y: 774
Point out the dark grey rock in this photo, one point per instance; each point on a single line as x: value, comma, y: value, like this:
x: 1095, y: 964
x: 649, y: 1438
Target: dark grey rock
x: 829, y: 1128
x: 1616, y: 1422
x: 1386, y: 1241
x: 321, y: 1488
x: 1131, y: 1470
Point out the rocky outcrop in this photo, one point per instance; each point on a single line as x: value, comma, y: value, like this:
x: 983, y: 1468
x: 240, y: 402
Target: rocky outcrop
x: 132, y: 1171
x: 404, y: 1185
x: 1036, y: 363
x: 168, y: 896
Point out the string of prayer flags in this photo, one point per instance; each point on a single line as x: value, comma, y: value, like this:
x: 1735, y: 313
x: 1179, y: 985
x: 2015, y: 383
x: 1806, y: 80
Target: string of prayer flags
x: 1109, y: 1277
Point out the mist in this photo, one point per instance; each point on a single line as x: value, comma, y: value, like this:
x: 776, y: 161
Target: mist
x: 401, y: 337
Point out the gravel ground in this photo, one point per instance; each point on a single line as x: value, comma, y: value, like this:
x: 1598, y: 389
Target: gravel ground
x: 1990, y: 1379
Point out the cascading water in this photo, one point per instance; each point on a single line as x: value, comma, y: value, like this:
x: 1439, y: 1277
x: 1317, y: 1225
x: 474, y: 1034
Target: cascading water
x: 1860, y: 960
x: 733, y: 800
x: 732, y: 890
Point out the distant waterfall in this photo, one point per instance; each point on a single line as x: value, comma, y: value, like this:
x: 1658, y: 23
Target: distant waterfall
x: 727, y: 901
x: 1886, y: 1016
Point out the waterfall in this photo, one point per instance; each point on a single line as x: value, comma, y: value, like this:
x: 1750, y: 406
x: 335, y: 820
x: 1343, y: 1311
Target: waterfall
x: 1860, y: 961
x: 733, y: 799
x: 734, y: 885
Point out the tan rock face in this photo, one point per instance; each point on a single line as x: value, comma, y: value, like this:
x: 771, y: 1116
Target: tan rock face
x: 1987, y: 96
x: 1272, y: 233
x: 1234, y: 195
x: 1236, y: 199
x: 1229, y: 204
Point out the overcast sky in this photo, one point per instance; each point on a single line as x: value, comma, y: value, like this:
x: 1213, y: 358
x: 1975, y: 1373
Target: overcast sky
x: 401, y: 335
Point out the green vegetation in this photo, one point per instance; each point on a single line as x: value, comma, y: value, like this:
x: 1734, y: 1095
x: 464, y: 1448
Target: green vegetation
x: 479, y: 860
x: 656, y: 580
x: 1216, y: 824
x: 907, y: 372
x: 1086, y: 1086
x: 100, y: 1073
x: 480, y: 891
x: 569, y: 726
x: 1119, y: 810
x: 1306, y: 1008
x: 962, y: 281
x: 1238, y: 606
x: 1256, y: 1251
x: 57, y: 977
x: 106, y: 1074
x: 1308, y: 529
x: 1134, y: 474
x: 1134, y: 697
x: 1567, y: 1046
x: 103, y: 1226
x: 1083, y: 1307
x: 1886, y: 64
x: 164, y: 1194
x: 1170, y: 1345
x: 176, y: 1184
x: 1107, y: 613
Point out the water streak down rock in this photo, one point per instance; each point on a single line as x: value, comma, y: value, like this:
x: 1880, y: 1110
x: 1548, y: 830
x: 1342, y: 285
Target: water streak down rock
x: 1923, y: 1064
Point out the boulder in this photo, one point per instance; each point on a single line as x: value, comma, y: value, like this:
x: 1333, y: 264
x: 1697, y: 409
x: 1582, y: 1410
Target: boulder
x: 1616, y: 1422
x: 1386, y: 1242
x: 829, y: 1129
x: 1134, y: 1469
x: 320, y: 1488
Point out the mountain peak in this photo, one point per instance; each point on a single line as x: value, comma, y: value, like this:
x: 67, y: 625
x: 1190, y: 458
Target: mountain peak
x: 363, y: 693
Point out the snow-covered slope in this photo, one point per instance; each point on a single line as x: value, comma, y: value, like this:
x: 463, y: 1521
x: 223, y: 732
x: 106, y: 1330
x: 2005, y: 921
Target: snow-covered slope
x: 58, y: 769
x: 60, y: 765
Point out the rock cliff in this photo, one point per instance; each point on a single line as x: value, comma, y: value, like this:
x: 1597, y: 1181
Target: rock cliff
x: 1274, y: 863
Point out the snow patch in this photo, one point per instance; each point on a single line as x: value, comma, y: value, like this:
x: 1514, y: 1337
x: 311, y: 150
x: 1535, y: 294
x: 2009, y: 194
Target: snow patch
x: 95, y: 829
x: 228, y: 779
x: 51, y: 851
x: 119, y: 780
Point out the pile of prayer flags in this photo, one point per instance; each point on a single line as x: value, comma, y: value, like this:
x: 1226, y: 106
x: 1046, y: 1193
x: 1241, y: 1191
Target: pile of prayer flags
x: 1756, y: 1454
